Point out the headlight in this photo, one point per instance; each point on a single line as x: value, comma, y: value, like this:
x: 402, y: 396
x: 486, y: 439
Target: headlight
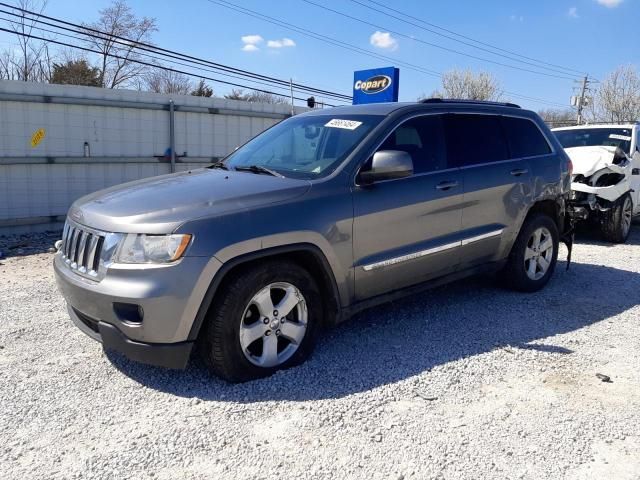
x: 140, y: 248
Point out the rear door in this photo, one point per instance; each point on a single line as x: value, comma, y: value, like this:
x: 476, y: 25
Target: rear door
x: 407, y: 230
x: 496, y: 181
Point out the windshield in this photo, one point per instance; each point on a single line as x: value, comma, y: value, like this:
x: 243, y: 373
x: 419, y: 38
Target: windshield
x: 304, y: 147
x: 590, y: 137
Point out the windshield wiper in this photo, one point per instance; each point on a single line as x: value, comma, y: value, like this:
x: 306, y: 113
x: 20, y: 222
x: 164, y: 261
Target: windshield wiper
x: 259, y: 169
x: 219, y: 164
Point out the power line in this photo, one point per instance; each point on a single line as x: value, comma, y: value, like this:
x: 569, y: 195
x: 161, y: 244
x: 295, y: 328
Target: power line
x: 321, y: 37
x: 424, y: 22
x: 348, y: 46
x: 152, y: 57
x: 84, y: 30
x: 168, y: 69
x: 534, y: 99
x: 248, y: 76
x: 435, y: 45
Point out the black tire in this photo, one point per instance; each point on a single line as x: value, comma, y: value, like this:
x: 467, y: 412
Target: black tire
x: 219, y: 341
x: 514, y: 275
x: 614, y: 225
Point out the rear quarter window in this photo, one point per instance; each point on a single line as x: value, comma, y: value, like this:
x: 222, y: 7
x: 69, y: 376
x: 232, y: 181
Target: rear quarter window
x: 524, y: 138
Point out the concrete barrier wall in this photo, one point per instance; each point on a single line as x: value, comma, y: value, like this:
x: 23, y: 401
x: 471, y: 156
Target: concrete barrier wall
x: 95, y: 138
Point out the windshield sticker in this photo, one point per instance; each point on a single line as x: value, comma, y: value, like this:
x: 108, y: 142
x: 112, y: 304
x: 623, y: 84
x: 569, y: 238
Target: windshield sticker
x: 615, y: 136
x: 346, y: 124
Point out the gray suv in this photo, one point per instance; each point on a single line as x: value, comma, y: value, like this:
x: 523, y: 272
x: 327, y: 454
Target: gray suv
x: 321, y: 216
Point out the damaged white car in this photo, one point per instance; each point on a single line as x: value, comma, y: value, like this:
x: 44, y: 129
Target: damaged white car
x: 606, y: 174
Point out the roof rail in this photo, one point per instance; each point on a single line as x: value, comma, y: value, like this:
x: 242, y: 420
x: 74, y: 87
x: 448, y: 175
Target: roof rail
x: 474, y: 102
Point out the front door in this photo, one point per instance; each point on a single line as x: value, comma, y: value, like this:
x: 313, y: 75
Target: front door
x: 406, y: 230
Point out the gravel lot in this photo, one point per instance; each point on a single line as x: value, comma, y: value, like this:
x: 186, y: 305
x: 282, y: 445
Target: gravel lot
x: 466, y: 381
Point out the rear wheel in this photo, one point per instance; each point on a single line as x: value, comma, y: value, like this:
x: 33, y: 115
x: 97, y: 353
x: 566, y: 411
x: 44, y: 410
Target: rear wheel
x: 264, y: 319
x: 533, y: 255
x: 616, y: 222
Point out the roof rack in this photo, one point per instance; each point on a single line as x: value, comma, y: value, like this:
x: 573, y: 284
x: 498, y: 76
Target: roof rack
x: 474, y: 102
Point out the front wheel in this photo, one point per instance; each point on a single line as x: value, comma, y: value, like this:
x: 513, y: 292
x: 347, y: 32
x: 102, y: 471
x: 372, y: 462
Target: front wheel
x: 616, y: 222
x: 533, y: 256
x: 266, y: 318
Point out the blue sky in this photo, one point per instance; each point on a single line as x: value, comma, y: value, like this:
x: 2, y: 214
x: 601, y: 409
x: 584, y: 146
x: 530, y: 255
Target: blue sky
x: 591, y: 36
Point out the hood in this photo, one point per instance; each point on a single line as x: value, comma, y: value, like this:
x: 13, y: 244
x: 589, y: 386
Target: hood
x: 161, y: 204
x: 588, y: 160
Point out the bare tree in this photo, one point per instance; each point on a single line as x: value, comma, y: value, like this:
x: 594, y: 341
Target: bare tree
x: 257, y: 97
x: 7, y: 65
x: 160, y: 80
x: 119, y: 20
x: 618, y: 97
x: 558, y: 117
x: 235, y: 94
x: 467, y: 85
x: 32, y: 63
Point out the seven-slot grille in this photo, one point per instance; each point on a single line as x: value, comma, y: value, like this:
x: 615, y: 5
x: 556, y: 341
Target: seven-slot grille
x: 81, y: 249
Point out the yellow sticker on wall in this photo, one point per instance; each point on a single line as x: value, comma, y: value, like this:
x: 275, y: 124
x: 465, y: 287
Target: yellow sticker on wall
x: 37, y: 137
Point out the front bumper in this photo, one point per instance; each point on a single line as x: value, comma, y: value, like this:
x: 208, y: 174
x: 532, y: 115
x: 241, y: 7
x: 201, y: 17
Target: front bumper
x: 172, y: 355
x: 168, y: 296
x: 610, y: 193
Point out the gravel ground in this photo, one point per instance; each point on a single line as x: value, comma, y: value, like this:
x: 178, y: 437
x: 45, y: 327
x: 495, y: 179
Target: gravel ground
x: 466, y: 381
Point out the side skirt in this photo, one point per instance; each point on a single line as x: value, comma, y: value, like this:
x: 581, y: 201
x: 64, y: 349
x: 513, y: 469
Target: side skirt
x: 350, y: 311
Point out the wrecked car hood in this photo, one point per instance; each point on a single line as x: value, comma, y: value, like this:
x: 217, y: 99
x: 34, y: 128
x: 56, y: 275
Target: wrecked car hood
x: 592, y: 167
x: 588, y: 160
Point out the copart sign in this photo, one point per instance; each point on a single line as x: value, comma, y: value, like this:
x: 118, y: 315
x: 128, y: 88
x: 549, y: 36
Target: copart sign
x: 376, y: 85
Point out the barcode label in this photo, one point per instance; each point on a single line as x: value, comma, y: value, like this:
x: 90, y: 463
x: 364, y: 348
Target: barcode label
x: 346, y: 124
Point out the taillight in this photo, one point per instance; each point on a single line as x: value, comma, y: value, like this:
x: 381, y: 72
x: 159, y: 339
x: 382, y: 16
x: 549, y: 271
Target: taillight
x: 570, y: 166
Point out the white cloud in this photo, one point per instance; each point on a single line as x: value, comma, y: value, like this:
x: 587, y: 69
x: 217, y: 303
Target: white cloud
x: 251, y: 42
x: 383, y: 40
x: 573, y: 12
x: 252, y: 39
x: 610, y: 3
x: 285, y: 42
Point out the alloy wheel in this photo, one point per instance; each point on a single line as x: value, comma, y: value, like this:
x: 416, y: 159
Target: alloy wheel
x: 273, y: 325
x: 538, y: 253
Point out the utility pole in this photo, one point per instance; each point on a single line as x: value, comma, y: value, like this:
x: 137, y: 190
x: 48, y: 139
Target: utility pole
x: 581, y: 99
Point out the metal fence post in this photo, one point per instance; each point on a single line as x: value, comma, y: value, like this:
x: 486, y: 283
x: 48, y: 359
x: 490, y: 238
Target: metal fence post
x: 172, y: 135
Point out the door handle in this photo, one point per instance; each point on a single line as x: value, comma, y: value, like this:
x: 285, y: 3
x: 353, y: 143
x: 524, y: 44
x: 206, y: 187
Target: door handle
x: 518, y: 171
x: 446, y: 185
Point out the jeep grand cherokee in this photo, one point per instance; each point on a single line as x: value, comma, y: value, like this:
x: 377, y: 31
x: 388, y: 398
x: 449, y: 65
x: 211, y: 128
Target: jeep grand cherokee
x: 323, y: 215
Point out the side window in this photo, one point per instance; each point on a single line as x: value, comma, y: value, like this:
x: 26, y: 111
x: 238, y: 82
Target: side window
x: 474, y: 139
x: 423, y: 139
x: 524, y: 138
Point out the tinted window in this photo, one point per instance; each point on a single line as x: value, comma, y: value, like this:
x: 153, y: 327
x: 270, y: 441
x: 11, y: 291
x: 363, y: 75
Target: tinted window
x: 423, y: 139
x: 524, y: 138
x: 473, y: 139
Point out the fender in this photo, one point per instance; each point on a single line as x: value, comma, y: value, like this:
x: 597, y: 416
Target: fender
x: 257, y: 255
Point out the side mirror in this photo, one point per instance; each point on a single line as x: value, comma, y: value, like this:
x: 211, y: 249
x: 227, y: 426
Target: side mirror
x: 387, y: 165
